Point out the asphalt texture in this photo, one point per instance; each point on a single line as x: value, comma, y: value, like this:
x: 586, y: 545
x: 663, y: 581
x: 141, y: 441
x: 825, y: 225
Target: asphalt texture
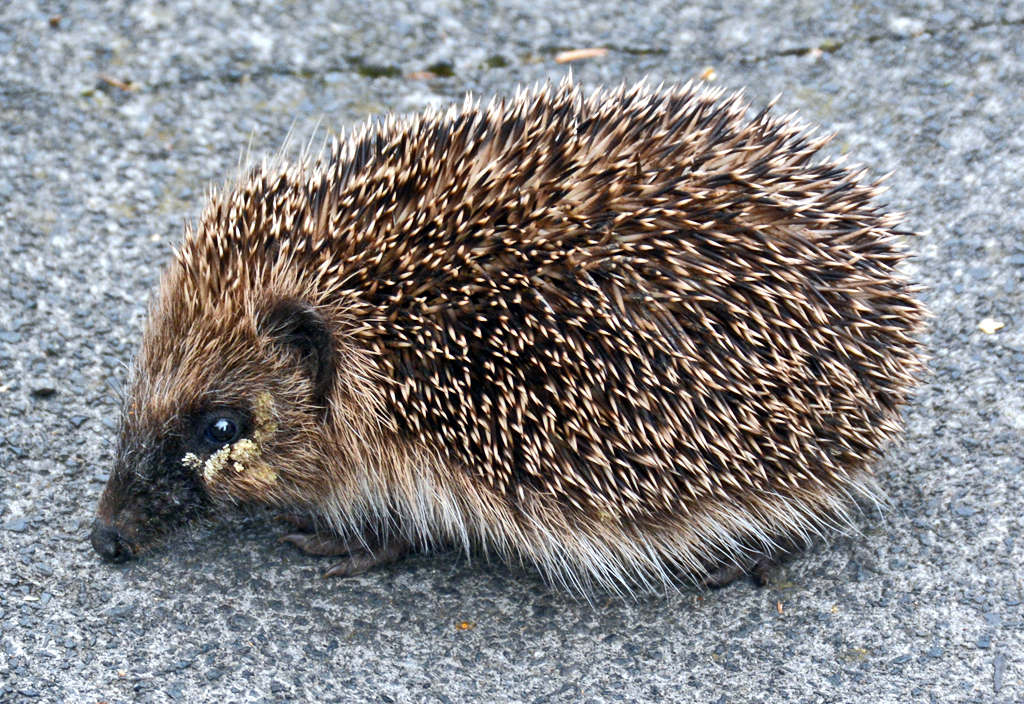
x: 114, y: 118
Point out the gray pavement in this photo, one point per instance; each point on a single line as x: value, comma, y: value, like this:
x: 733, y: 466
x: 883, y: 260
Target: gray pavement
x: 96, y: 180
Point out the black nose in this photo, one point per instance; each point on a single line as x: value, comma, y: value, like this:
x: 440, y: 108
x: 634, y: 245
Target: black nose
x: 110, y: 544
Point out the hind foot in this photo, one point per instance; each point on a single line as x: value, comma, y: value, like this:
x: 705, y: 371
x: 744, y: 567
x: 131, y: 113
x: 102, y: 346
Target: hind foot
x: 360, y: 555
x: 760, y: 568
x: 759, y: 564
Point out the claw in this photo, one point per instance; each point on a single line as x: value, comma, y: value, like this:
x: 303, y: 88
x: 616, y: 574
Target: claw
x: 318, y: 543
x: 760, y: 567
x: 352, y: 565
x: 763, y: 569
x: 361, y: 560
x: 716, y: 579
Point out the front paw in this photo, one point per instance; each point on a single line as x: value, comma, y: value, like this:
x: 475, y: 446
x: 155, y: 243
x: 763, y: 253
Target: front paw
x: 318, y: 543
x: 362, y: 559
x: 360, y: 555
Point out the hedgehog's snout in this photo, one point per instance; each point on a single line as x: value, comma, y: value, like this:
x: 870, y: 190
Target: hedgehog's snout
x: 109, y: 543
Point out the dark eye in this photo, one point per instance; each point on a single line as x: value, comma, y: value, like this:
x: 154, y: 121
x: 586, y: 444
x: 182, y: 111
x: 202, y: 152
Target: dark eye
x: 223, y: 430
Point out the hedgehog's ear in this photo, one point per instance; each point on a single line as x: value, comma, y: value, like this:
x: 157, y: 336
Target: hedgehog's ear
x: 302, y: 329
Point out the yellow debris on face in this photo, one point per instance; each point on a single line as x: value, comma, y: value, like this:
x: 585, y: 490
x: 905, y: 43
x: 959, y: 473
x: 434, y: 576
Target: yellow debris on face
x: 262, y: 473
x: 215, y: 465
x: 243, y: 452
x: 265, y: 424
x: 243, y: 455
x: 246, y: 454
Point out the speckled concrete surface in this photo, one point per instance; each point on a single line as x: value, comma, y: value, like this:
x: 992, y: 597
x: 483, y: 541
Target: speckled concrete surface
x: 114, y: 116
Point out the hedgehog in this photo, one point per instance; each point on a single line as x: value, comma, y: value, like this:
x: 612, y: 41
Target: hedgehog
x: 631, y: 339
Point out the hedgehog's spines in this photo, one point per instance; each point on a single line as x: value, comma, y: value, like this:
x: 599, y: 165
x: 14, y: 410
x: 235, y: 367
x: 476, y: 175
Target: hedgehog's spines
x: 636, y: 308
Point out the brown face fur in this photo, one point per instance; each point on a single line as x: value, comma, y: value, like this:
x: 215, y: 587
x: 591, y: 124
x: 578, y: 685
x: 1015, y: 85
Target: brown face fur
x: 268, y: 367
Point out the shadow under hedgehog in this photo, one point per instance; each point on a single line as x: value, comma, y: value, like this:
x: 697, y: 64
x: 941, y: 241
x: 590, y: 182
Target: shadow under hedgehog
x: 627, y: 338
